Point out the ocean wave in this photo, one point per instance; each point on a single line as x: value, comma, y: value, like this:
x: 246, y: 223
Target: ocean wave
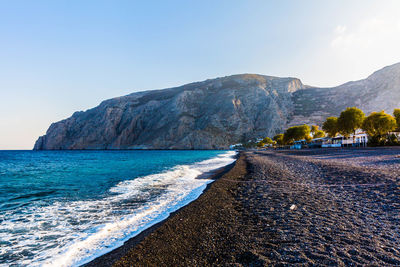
x: 32, y: 195
x: 73, y: 233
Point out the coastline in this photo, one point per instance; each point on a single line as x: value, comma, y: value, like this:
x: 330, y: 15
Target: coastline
x: 109, y: 258
x: 317, y: 207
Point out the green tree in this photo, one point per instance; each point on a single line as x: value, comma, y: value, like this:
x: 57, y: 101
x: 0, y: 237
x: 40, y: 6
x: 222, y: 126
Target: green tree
x: 331, y: 126
x: 350, y: 120
x: 279, y: 139
x: 378, y: 125
x: 268, y: 140
x: 314, y: 128
x: 316, y: 132
x: 296, y: 133
x: 396, y: 114
x: 265, y: 141
x: 319, y: 134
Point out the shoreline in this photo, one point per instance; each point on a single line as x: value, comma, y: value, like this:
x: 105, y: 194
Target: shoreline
x: 109, y: 258
x: 309, y: 207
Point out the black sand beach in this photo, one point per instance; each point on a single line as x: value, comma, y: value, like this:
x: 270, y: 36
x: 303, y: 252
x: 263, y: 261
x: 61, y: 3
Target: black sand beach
x: 316, y: 207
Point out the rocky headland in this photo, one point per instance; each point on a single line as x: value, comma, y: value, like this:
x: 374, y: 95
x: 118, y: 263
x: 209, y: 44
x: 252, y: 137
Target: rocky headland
x: 216, y: 113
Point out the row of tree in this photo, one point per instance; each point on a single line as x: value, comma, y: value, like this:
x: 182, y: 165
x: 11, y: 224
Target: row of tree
x: 377, y: 125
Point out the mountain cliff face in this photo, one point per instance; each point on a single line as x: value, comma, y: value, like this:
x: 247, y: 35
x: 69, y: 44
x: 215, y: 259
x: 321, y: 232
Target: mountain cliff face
x: 380, y: 91
x: 204, y: 115
x: 216, y: 113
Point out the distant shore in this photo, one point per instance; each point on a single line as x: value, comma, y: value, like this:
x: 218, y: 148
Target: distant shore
x: 320, y: 206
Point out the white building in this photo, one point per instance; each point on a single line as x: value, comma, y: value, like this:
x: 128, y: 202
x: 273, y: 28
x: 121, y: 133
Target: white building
x: 360, y: 139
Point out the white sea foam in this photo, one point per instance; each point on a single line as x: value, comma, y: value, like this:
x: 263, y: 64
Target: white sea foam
x: 73, y: 233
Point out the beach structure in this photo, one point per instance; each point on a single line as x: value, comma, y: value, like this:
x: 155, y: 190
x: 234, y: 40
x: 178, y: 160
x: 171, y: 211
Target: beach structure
x: 320, y: 142
x: 333, y: 142
x: 235, y: 146
x: 299, y: 144
x: 360, y: 139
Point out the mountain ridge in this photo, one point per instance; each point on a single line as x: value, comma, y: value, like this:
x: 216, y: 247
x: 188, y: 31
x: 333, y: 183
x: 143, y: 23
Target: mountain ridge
x: 215, y: 113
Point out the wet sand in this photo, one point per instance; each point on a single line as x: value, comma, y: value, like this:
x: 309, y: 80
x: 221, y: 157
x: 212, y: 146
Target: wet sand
x: 110, y: 258
x: 337, y: 207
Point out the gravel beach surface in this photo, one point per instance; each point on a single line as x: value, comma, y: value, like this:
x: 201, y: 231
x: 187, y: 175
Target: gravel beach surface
x: 337, y: 207
x: 329, y: 207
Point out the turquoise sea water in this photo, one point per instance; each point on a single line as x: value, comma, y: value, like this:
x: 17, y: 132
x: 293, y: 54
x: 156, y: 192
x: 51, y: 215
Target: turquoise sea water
x: 63, y: 208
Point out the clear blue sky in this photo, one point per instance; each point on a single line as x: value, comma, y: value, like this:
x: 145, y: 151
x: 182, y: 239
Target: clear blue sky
x: 57, y: 57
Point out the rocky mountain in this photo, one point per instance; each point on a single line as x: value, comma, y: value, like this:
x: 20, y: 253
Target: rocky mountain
x: 216, y: 113
x: 380, y: 91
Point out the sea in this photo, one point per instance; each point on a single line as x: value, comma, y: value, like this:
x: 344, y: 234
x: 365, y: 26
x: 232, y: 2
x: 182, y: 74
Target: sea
x: 65, y: 208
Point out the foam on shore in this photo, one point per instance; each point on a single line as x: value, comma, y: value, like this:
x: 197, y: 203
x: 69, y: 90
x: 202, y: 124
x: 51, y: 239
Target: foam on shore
x: 102, y: 225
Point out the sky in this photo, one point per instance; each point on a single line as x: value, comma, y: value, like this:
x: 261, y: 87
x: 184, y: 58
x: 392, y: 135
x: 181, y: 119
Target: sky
x: 58, y: 57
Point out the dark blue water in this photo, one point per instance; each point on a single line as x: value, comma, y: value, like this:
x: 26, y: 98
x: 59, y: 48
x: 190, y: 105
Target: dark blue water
x: 63, y: 208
